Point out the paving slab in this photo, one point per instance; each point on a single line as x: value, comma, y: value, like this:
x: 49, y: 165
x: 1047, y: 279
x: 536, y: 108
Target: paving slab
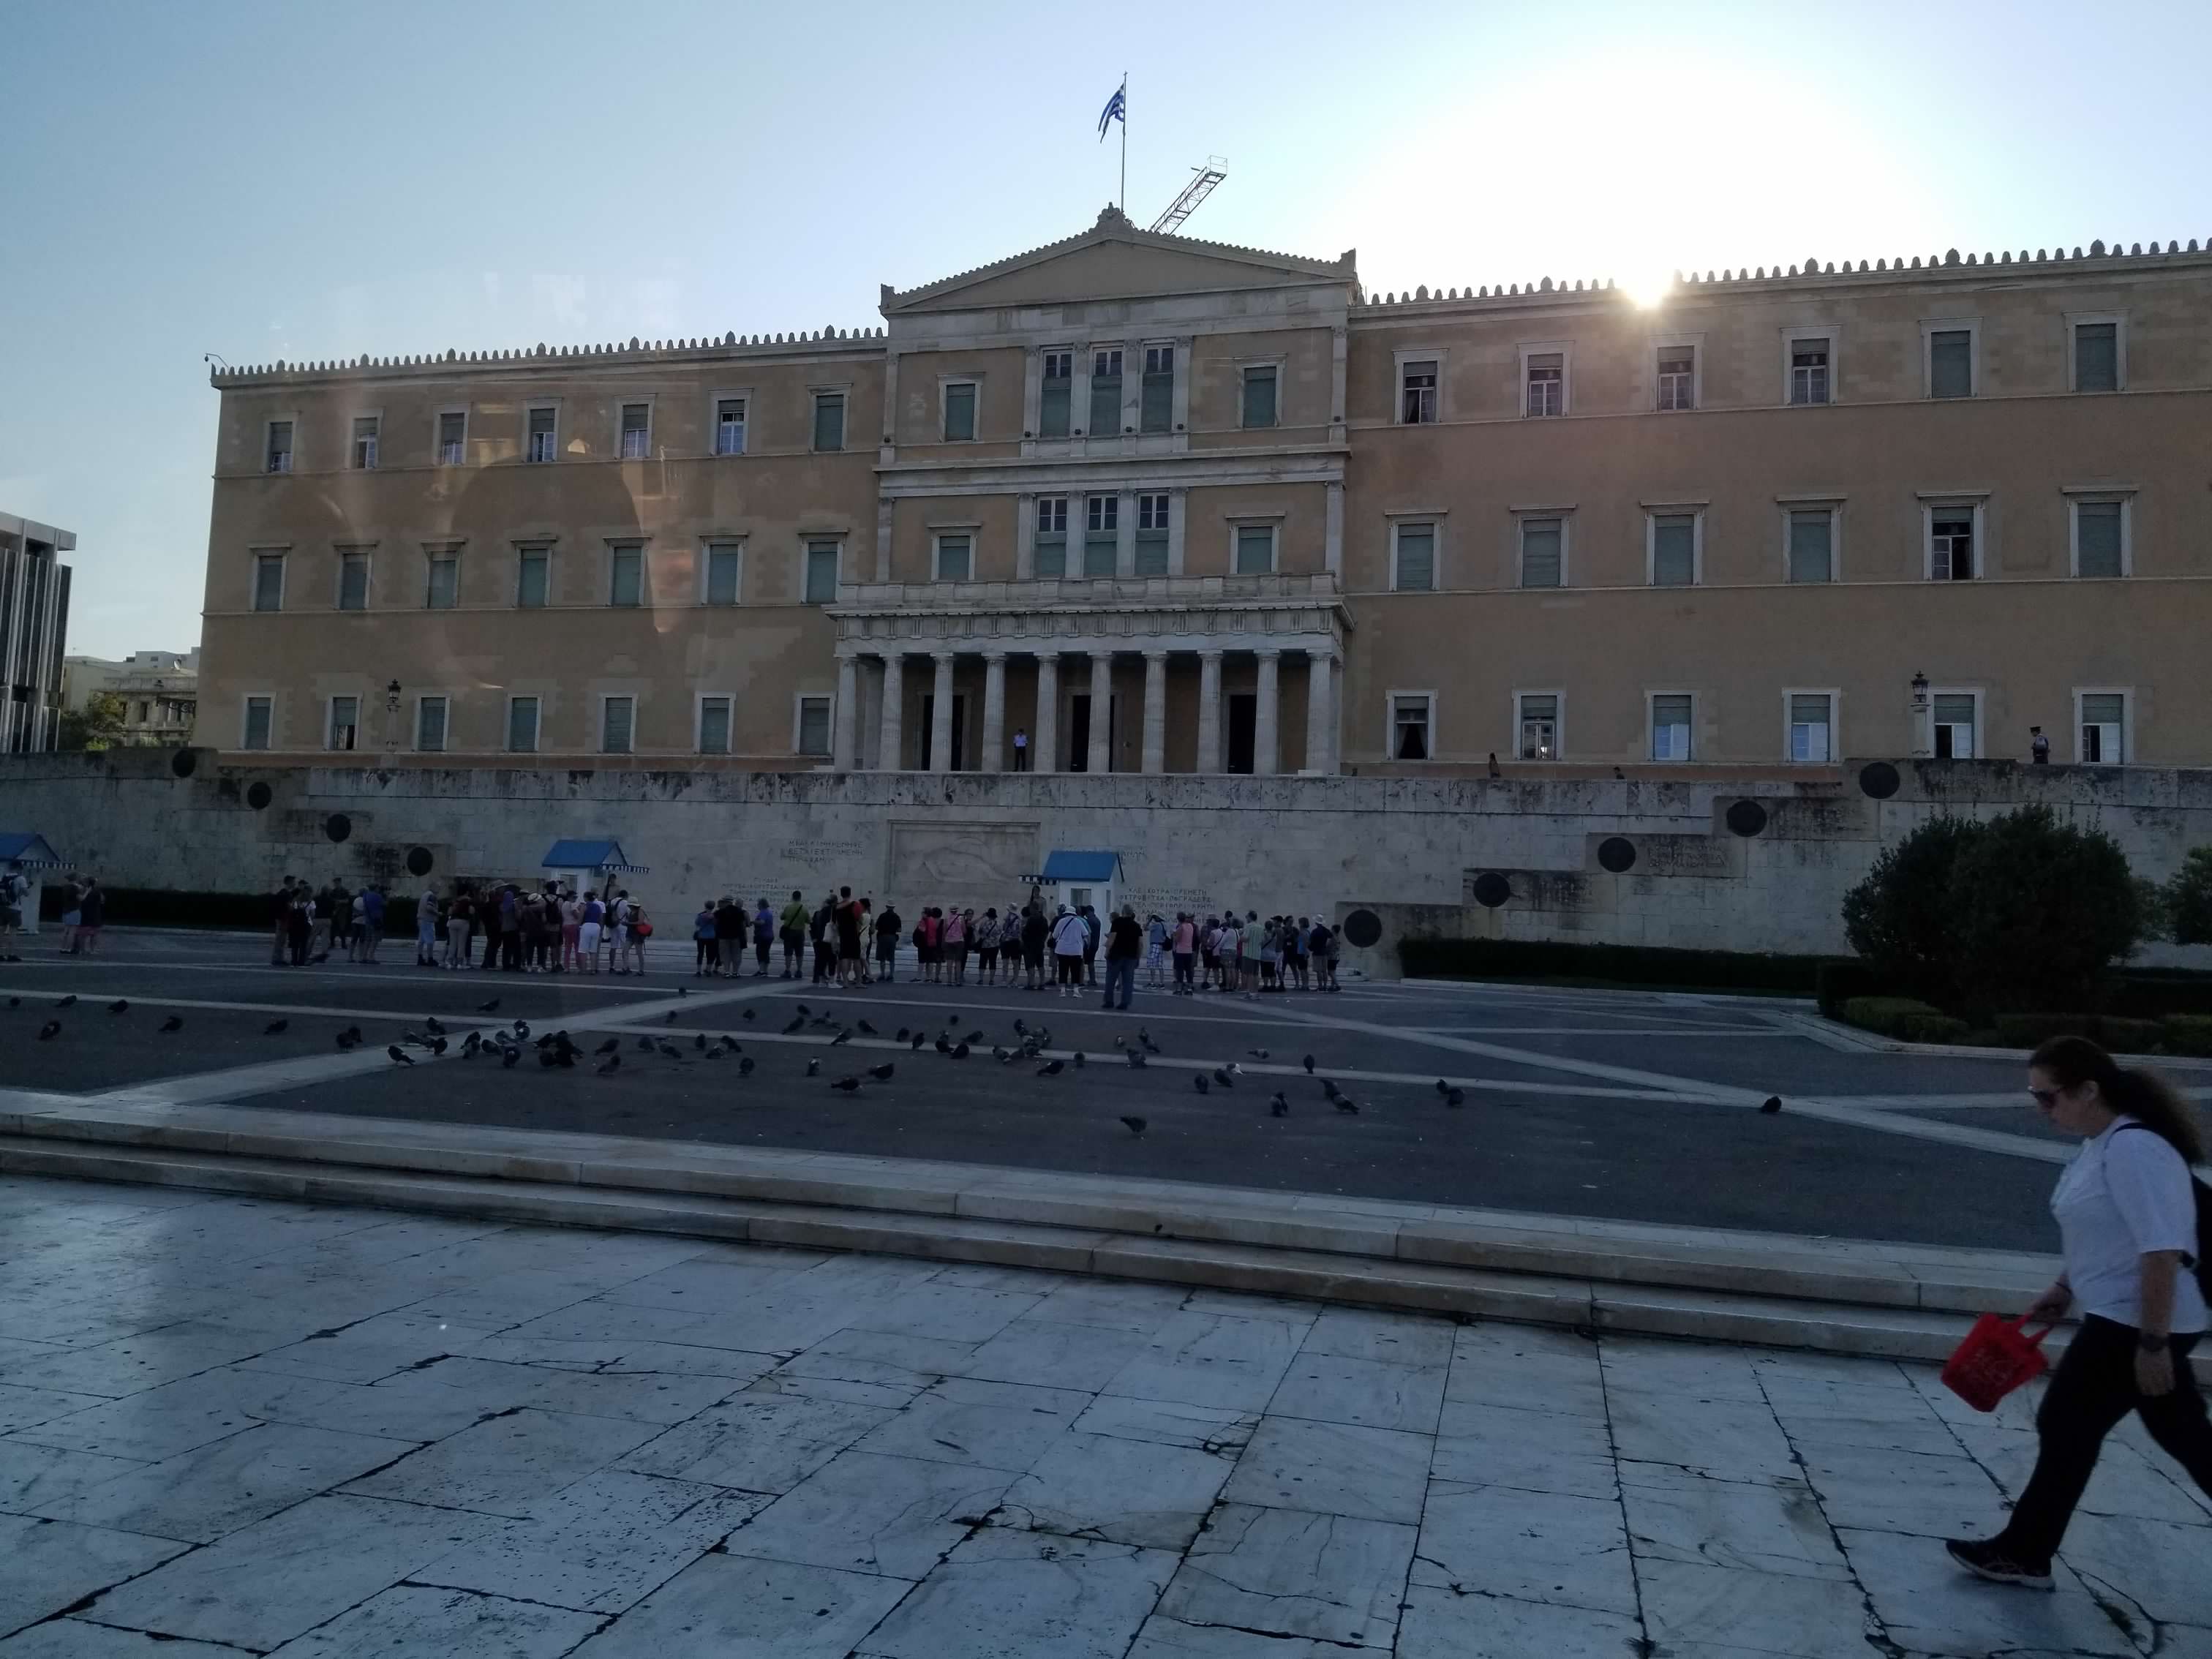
x: 52, y: 1564
x: 1006, y: 1594
x: 1287, y: 1572
x: 452, y: 1623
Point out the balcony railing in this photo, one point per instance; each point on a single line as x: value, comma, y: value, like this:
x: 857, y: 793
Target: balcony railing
x: 1072, y: 592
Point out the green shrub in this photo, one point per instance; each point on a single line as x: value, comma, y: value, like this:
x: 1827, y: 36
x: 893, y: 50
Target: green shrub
x: 1886, y: 1015
x: 1934, y: 1028
x: 1616, y: 964
x: 2186, y: 1034
x: 1900, y: 919
x: 1836, y: 982
x: 2038, y: 910
x: 1982, y: 1037
x: 2130, y: 1036
x: 2121, y: 1035
x: 2189, y: 900
x: 2156, y: 992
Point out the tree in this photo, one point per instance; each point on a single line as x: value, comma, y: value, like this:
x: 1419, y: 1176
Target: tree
x: 2189, y: 899
x: 1899, y: 919
x: 98, y: 725
x: 2041, y: 910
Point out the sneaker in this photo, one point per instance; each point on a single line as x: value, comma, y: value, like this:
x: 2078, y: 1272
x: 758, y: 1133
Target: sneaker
x: 1987, y: 1559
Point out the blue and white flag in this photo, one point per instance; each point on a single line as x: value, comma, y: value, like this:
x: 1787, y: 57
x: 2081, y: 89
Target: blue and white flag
x: 1117, y: 109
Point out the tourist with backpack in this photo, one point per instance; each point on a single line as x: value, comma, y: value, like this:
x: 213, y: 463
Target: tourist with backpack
x: 2132, y: 1221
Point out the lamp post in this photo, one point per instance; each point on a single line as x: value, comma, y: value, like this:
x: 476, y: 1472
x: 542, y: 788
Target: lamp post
x: 1920, y: 730
x: 392, y: 716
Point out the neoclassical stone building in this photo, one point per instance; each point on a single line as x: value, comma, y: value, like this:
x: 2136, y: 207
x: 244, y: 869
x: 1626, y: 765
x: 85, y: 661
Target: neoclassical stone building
x: 1143, y: 503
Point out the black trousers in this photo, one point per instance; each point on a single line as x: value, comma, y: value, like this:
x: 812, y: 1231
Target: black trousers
x: 2093, y: 1388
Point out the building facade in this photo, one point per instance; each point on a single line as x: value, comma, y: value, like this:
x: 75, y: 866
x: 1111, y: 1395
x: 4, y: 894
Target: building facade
x: 1141, y: 503
x: 34, y: 590
x: 159, y: 689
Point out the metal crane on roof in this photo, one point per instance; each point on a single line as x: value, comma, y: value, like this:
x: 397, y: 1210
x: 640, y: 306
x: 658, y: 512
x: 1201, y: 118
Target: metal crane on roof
x: 1203, y: 180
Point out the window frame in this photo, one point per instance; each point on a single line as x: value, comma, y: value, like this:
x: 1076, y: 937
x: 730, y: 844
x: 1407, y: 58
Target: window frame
x: 330, y: 722
x: 1564, y: 350
x: 799, y: 702
x: 1793, y: 335
x: 1178, y: 363
x: 1163, y: 530
x: 2074, y: 321
x: 434, y: 554
x: 2126, y: 694
x: 529, y: 456
x: 1102, y: 504
x: 1270, y: 522
x: 260, y: 556
x: 437, y: 439
x: 945, y: 385
x: 606, y: 701
x: 729, y: 701
x: 1951, y: 505
x: 1246, y: 367
x: 1651, y: 727
x: 1972, y: 328
x: 1833, y: 507
x: 1397, y: 523
x: 1037, y: 531
x: 815, y: 396
x: 971, y: 533
x: 1522, y: 517
x: 622, y: 407
x: 1835, y: 696
x: 1090, y: 379
x: 523, y: 550
x: 1042, y: 360
x: 268, y: 426
x: 1399, y: 359
x: 1695, y: 345
x: 615, y: 548
x: 2076, y: 499
x: 537, y: 724
x: 808, y: 542
x: 346, y: 554
x: 709, y: 546
x: 445, y: 702
x: 1390, y: 701
x: 1558, y: 724
x: 1980, y: 698
x: 742, y: 395
x: 1695, y: 512
x: 246, y: 702
x: 354, y: 463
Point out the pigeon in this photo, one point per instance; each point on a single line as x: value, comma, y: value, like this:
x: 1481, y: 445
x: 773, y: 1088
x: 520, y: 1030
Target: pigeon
x: 68, y: 1002
x: 413, y: 1040
x: 437, y: 1045
x: 509, y: 1059
x: 841, y: 1037
x: 881, y: 1073
x: 681, y: 991
x: 275, y: 1027
x: 959, y: 1051
x: 354, y: 1036
x: 1278, y: 1105
x: 645, y: 1045
x: 1136, y: 1060
x: 745, y: 1065
x: 120, y: 1006
x: 1345, y: 1104
x: 1310, y: 1063
x: 1770, y: 1105
x: 1136, y: 1126
x: 1442, y: 1087
x: 798, y: 1024
x: 748, y: 1014
x: 732, y: 1045
x: 1120, y: 1042
x: 14, y: 1002
x: 1224, y: 1079
x: 975, y: 1035
x: 1328, y: 1088
x: 814, y: 1068
x: 712, y: 1053
x: 49, y: 1030
x: 1002, y: 1055
x: 474, y: 1042
x: 399, y: 1056
x: 1257, y: 1054
x: 346, y: 1042
x: 608, y: 1064
x: 942, y: 1045
x: 608, y: 1047
x: 1234, y: 1069
x: 1052, y: 1068
x: 1146, y: 1038
x: 491, y: 1007
x: 672, y: 1050
x: 670, y: 1019
x: 1199, y: 1082
x: 851, y: 1086
x: 1455, y: 1097
x: 1021, y: 1026
x: 174, y: 1023
x: 918, y: 1039
x: 431, y: 1025
x: 866, y: 1029
x: 804, y: 1009
x: 699, y: 1042
x: 1079, y: 1061
x: 902, y: 1035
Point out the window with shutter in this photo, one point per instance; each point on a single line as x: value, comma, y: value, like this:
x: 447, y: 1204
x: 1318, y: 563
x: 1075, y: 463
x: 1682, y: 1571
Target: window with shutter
x: 956, y: 557
x: 626, y: 575
x: 1416, y: 568
x: 522, y: 726
x: 821, y: 572
x: 533, y: 565
x: 1670, y: 726
x: 1812, y: 550
x: 636, y: 431
x: 1409, y: 728
x: 1417, y: 392
x: 1049, y: 552
x: 1951, y: 363
x: 729, y: 425
x: 430, y: 725
x: 1810, y: 726
x: 2098, y: 542
x: 452, y: 435
x: 814, y: 725
x: 1105, y: 394
x: 268, y: 581
x: 2104, y: 720
x: 2096, y: 357
x: 1673, y: 549
x: 1255, y: 549
x: 1678, y: 377
x: 1954, y: 717
x: 541, y: 427
x: 257, y: 722
x: 829, y: 420
x: 1056, y: 394
x: 616, y: 717
x: 713, y: 725
x: 364, y: 442
x: 1809, y: 371
x: 1541, y: 565
x: 1540, y: 728
x: 345, y: 723
x: 353, y: 581
x: 1548, y: 383
x: 960, y: 411
x: 1151, y: 535
x: 723, y: 565
x: 280, y: 447
x: 1101, y: 535
x: 443, y: 585
x: 1259, y: 396
x: 1155, y: 411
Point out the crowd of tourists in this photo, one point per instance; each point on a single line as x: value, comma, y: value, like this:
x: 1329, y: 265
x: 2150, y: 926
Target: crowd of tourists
x: 545, y: 928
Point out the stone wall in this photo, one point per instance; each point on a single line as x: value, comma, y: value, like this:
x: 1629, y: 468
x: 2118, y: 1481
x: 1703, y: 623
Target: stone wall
x: 1600, y: 859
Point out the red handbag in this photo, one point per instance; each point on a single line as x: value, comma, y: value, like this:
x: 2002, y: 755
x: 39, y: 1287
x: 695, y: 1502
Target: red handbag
x: 1997, y: 1356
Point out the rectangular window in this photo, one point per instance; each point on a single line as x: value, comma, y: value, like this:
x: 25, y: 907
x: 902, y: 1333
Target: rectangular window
x: 258, y: 711
x: 1101, y: 535
x: 1809, y: 371
x: 626, y: 574
x: 1417, y: 392
x: 1678, y: 377
x: 2096, y: 357
x: 1548, y: 383
x: 822, y: 572
x: 430, y: 725
x: 724, y: 565
x: 956, y: 557
x: 1540, y: 726
x: 1956, y: 721
x: 532, y: 566
x: 1259, y: 396
x: 829, y: 420
x: 1056, y: 394
x: 729, y: 425
x: 1670, y: 726
x: 1811, y: 727
x: 268, y: 581
x: 1157, y: 410
x: 522, y: 726
x: 1409, y: 727
x: 1812, y: 545
x: 353, y: 581
x: 1413, y: 568
x: 2100, y: 538
x: 2104, y: 724
x: 453, y: 437
x: 1105, y: 393
x: 713, y: 725
x: 1151, y: 535
x: 280, y: 447
x: 960, y: 411
x: 1673, y: 549
x: 814, y: 725
x: 618, y: 717
x: 1951, y: 362
x: 443, y: 586
x: 1255, y: 549
x: 1951, y: 544
x: 364, y: 442
x: 1049, y: 552
x: 544, y: 435
x: 345, y: 723
x: 636, y: 431
x: 1543, y: 560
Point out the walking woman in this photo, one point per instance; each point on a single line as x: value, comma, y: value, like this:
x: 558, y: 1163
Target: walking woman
x: 2127, y: 1218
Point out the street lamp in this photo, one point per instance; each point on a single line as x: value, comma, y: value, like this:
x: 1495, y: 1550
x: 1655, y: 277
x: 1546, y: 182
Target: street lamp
x: 391, y: 715
x: 1920, y: 729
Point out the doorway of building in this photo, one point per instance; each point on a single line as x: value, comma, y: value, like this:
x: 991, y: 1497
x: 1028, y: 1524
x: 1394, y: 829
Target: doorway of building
x: 959, y: 729
x: 1243, y: 726
x: 1078, y: 731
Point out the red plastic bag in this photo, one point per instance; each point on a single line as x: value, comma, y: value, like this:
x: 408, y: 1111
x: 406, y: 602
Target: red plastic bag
x: 1997, y: 1356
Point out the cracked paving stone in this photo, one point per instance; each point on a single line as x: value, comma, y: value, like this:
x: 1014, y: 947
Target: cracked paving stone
x: 1126, y: 1491
x: 48, y: 1565
x: 869, y: 1513
x: 409, y: 1619
x: 1333, y: 1468
x: 758, y: 1441
x: 507, y: 1464
x: 1535, y: 1546
x: 1442, y: 1624
x: 1026, y: 1596
x: 217, y: 1489
x: 1287, y: 1572
x: 1170, y: 1638
x: 732, y: 1606
x: 78, y: 1639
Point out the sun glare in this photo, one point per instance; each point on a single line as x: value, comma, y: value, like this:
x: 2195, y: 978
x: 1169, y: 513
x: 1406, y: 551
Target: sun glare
x: 1647, y: 288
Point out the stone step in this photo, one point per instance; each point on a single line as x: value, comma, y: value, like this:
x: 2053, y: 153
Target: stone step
x: 1287, y: 1270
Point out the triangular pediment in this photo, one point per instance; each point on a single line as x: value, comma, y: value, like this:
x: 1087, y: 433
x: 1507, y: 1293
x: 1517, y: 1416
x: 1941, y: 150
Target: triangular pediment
x: 1115, y: 260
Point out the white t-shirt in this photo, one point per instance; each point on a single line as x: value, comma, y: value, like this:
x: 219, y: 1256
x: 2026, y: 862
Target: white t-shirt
x: 1069, y: 936
x: 2126, y: 1193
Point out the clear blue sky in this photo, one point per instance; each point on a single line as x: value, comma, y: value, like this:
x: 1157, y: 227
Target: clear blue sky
x: 305, y: 181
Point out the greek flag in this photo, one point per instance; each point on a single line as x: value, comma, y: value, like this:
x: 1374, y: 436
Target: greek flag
x: 1117, y: 109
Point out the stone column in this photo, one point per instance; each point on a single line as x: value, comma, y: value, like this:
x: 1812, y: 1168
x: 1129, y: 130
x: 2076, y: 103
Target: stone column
x: 1044, y: 740
x: 1321, y: 713
x: 941, y: 716
x: 848, y: 709
x: 1156, y: 713
x: 1101, y: 705
x: 889, y: 753
x: 1209, y: 711
x: 1333, y: 542
x: 1264, y: 759
x: 995, y: 709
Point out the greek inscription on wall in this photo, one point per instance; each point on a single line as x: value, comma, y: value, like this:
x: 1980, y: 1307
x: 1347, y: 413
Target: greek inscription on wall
x: 1166, y: 902
x: 977, y: 864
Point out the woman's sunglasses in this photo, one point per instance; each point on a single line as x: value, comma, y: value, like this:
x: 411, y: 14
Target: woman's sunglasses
x: 2046, y: 1098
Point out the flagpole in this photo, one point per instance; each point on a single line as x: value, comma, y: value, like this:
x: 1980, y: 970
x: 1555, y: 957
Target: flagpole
x: 1125, y: 141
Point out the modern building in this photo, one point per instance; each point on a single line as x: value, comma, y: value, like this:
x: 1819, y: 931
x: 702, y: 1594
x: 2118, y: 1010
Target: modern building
x: 160, y: 691
x: 1163, y: 505
x: 34, y: 589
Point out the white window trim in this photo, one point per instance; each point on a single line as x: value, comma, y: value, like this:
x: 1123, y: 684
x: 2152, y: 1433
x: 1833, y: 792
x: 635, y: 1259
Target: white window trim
x: 1833, y: 507
x: 1930, y: 328
x: 743, y: 394
x: 1033, y: 394
x: 376, y: 415
x: 2126, y: 694
x: 815, y: 394
x: 1399, y: 359
x: 1391, y: 700
x: 614, y: 545
x: 1650, y: 723
x: 600, y: 736
x: 530, y: 408
x: 261, y: 461
x: 1931, y: 506
x: 1695, y: 512
x: 806, y: 542
x: 2120, y: 322
x: 537, y: 724
x: 938, y: 533
x: 699, y: 722
x: 283, y: 558
x: 1566, y: 350
x: 1558, y: 723
x: 246, y: 703
x: 366, y: 552
x: 1980, y: 698
x: 1835, y: 696
x: 627, y: 401
x: 416, y: 740
x: 1282, y: 368
x: 1522, y: 516
x: 437, y: 420
x: 2076, y: 498
x: 1172, y: 529
x: 799, y: 702
x: 1792, y: 337
x: 1397, y: 521
x: 1270, y: 522
x: 1695, y: 345
x: 945, y: 384
x: 432, y: 553
x: 707, y: 544
x: 330, y: 719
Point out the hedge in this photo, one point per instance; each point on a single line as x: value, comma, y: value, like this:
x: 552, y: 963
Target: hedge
x: 2186, y: 1034
x: 1888, y: 1015
x: 165, y: 907
x: 1837, y: 981
x: 2156, y: 992
x: 1935, y: 1028
x: 2121, y: 1035
x: 1627, y: 965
